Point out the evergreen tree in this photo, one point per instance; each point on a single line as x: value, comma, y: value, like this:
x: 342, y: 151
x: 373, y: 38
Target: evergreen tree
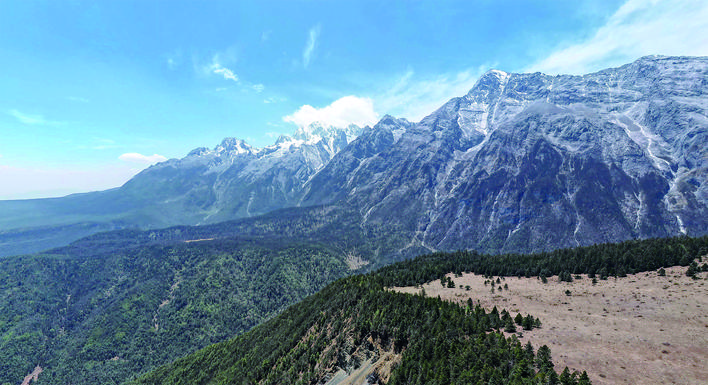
x: 543, y: 359
x: 509, y: 326
x: 566, y: 378
x: 528, y: 349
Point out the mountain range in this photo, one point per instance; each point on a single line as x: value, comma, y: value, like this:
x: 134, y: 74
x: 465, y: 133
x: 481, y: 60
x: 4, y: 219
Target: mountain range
x: 205, y: 247
x: 523, y: 162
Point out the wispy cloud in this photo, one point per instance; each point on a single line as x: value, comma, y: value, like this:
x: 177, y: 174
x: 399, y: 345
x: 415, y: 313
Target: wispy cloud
x: 226, y: 73
x: 77, y: 99
x: 135, y: 157
x: 174, y: 59
x: 29, y: 119
x: 218, y: 67
x: 637, y: 28
x: 413, y: 97
x: 341, y: 113
x: 274, y: 99
x: 311, y: 44
x: 102, y: 144
x: 265, y: 36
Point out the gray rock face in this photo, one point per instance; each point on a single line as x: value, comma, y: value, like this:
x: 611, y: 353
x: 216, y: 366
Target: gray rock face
x: 232, y: 180
x: 530, y: 161
x: 235, y: 180
x: 523, y: 162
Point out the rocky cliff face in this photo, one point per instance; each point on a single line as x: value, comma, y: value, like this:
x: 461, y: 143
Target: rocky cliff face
x: 531, y: 161
x: 523, y: 162
x: 232, y: 180
x: 235, y: 180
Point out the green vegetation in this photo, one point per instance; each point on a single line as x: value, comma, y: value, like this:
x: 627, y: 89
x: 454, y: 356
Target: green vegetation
x: 439, y: 342
x: 105, y: 319
x: 604, y: 260
x: 337, y: 227
x: 116, y: 305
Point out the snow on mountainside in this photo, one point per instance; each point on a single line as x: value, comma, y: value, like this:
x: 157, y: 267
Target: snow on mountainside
x: 235, y: 180
x: 530, y: 161
x: 522, y: 162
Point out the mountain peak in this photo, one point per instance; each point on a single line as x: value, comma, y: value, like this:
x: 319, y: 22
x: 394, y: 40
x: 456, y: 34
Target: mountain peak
x: 489, y: 83
x: 316, y: 131
x: 234, y: 145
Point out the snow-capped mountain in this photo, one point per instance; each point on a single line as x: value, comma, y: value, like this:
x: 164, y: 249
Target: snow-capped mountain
x: 235, y: 180
x: 532, y: 161
x: 522, y: 162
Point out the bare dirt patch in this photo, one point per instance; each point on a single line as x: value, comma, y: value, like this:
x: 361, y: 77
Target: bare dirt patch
x: 32, y: 377
x: 641, y: 329
x: 355, y: 262
x: 199, y: 240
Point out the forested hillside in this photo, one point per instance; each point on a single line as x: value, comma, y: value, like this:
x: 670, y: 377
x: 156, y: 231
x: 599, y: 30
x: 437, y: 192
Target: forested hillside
x: 356, y: 319
x: 104, y: 318
x: 438, y: 342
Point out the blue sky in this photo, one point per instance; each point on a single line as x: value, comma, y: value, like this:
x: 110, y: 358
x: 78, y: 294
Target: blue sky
x: 93, y: 91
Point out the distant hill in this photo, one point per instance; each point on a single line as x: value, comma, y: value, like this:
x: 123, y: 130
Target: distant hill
x: 103, y: 318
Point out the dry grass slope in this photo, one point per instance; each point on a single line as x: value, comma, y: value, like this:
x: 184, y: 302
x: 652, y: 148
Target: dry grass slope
x: 641, y: 329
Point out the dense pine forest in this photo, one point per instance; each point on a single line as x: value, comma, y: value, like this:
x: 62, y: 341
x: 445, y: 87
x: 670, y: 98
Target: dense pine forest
x: 611, y: 259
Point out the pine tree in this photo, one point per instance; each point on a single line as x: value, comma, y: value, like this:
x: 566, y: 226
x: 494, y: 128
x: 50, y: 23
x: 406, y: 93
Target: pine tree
x: 566, y: 378
x: 544, y: 362
x: 528, y: 349
x: 510, y: 327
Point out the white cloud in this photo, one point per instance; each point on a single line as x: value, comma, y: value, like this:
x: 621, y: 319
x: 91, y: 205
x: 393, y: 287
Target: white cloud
x: 258, y: 87
x: 134, y: 157
x: 637, y: 28
x: 274, y: 99
x: 310, y: 46
x: 414, y: 98
x: 341, y: 113
x: 32, y: 119
x: 225, y: 72
x: 217, y: 68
